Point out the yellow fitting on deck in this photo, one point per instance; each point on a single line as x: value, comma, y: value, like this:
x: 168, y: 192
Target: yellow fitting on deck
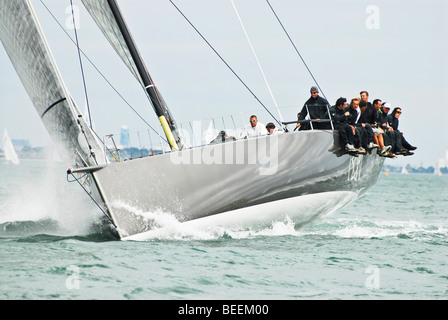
x: 168, y: 133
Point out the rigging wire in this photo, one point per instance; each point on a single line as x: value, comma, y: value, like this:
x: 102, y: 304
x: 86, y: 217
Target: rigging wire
x: 228, y: 66
x: 104, y: 211
x: 102, y: 75
x: 80, y: 64
x: 287, y: 34
x: 258, y: 62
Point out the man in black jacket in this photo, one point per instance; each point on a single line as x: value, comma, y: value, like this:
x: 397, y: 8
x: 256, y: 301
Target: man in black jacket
x: 317, y: 108
x: 390, y: 137
x: 360, y: 135
x: 371, y: 117
x: 340, y: 118
x: 393, y: 122
x: 367, y: 128
x: 370, y: 113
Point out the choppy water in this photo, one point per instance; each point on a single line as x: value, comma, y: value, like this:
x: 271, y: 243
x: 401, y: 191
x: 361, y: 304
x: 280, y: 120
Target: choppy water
x: 391, y: 244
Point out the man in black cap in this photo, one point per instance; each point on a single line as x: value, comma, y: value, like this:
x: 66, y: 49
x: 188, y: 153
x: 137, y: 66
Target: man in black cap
x: 317, y: 108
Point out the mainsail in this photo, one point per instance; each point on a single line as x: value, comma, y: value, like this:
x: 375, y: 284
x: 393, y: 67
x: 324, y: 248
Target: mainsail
x: 108, y: 17
x: 26, y: 46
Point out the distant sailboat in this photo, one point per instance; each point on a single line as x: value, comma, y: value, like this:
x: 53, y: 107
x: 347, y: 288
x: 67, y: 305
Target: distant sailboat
x: 10, y: 152
x: 404, y: 170
x: 440, y: 164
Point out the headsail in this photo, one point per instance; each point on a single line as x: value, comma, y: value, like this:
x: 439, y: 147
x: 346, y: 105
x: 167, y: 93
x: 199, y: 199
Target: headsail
x: 27, y: 48
x: 109, y: 19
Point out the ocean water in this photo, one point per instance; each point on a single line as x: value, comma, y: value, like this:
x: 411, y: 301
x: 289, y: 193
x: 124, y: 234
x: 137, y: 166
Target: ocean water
x: 391, y: 244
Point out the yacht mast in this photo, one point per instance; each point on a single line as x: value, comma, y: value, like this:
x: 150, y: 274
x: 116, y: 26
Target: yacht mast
x: 162, y: 112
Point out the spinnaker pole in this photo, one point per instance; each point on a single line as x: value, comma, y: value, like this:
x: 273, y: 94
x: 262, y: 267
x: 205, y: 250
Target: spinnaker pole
x: 161, y: 109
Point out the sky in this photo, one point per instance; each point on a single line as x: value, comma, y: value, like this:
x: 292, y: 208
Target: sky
x: 396, y: 50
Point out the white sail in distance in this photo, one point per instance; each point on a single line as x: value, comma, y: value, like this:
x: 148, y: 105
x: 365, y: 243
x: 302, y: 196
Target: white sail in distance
x: 8, y: 148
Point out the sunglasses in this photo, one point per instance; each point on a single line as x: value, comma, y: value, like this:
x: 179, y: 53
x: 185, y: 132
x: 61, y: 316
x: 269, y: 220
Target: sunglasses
x: 253, y: 120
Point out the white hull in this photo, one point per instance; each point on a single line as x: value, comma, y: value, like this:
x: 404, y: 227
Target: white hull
x: 302, y: 210
x: 198, y: 183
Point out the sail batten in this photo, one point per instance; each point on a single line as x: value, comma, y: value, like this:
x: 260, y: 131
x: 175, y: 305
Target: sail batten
x: 52, y: 106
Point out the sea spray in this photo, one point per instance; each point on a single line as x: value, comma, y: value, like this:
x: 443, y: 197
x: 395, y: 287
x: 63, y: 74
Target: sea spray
x: 46, y: 202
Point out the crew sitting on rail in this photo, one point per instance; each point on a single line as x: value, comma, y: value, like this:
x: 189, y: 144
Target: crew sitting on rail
x: 390, y: 136
x: 371, y: 117
x: 369, y: 135
x: 352, y: 119
x: 393, y: 122
x: 340, y: 118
